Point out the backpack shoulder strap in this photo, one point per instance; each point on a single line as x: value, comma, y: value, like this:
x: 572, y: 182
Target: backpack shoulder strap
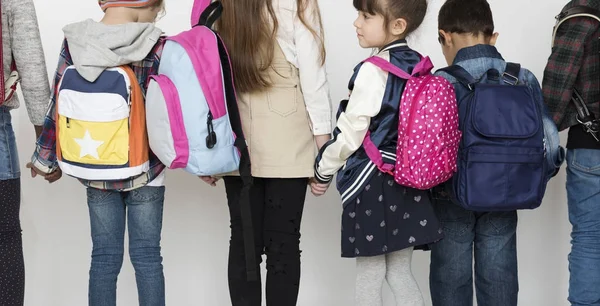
x: 573, y: 12
x: 461, y: 75
x: 422, y: 68
x: 245, y: 168
x: 511, y: 73
x: 387, y: 66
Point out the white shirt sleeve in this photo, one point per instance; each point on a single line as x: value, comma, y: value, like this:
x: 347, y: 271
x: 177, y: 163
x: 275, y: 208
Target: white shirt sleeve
x: 364, y: 103
x: 313, y: 75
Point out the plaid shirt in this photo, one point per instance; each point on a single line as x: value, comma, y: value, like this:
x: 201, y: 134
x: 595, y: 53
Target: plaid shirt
x: 574, y: 63
x: 44, y: 157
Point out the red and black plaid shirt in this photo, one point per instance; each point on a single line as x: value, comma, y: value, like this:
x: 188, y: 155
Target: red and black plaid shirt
x: 574, y: 63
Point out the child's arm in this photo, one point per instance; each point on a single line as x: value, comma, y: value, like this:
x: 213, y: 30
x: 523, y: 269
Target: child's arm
x: 28, y: 54
x: 564, y: 64
x: 353, y: 123
x: 313, y: 76
x: 44, y: 156
x: 554, y: 151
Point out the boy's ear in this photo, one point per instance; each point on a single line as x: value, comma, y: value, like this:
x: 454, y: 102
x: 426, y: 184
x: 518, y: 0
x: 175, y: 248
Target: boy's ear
x: 398, y: 27
x: 494, y: 38
x: 445, y: 38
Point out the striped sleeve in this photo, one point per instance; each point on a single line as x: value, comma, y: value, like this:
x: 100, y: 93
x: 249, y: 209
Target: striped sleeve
x: 353, y: 123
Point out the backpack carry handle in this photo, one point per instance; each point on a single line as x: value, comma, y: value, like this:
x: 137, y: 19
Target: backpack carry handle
x: 210, y: 15
x: 197, y: 9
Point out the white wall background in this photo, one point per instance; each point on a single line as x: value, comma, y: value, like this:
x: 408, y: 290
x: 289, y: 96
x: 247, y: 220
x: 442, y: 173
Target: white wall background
x: 195, y: 237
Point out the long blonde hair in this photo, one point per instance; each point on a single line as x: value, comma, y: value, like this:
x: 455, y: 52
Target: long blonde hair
x: 248, y: 28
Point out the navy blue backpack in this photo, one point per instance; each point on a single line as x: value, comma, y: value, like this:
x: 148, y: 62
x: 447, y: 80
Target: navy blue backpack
x: 501, y: 157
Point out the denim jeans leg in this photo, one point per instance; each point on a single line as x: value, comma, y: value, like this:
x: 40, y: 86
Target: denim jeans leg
x: 144, y: 217
x: 583, y: 193
x: 107, y: 219
x: 9, y: 158
x: 451, y: 272
x: 496, y: 277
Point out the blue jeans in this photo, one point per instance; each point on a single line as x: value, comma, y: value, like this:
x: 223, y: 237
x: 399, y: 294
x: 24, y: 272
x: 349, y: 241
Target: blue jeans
x: 488, y: 237
x: 143, y: 209
x: 9, y: 160
x: 583, y: 193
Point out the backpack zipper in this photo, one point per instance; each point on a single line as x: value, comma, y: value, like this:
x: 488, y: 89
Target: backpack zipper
x: 211, y: 139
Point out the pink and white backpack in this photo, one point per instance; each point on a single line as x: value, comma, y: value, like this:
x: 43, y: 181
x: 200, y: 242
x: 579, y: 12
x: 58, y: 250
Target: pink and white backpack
x: 192, y: 113
x: 428, y: 134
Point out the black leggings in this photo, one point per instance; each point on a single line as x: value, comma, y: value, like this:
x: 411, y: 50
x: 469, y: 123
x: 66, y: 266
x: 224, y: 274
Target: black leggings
x: 277, y: 206
x: 12, y: 268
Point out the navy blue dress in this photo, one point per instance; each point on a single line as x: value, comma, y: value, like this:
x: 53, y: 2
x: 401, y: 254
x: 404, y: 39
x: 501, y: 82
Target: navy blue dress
x: 386, y: 217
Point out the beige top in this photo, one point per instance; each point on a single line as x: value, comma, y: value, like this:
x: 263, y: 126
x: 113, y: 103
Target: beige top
x: 277, y: 126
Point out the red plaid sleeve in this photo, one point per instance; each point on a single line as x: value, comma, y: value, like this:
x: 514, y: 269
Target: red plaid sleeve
x: 565, y: 65
x: 44, y: 156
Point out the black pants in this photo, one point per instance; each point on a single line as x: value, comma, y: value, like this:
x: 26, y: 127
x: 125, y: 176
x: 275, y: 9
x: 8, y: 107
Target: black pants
x: 12, y: 268
x: 277, y: 206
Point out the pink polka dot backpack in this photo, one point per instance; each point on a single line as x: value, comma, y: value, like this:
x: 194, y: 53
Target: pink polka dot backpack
x: 428, y: 133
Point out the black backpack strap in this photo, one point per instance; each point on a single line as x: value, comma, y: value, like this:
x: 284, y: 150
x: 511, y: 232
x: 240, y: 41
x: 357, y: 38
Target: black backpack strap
x: 511, y: 73
x: 462, y: 75
x: 244, y: 169
x: 574, y: 12
x: 578, y: 10
x: 211, y: 14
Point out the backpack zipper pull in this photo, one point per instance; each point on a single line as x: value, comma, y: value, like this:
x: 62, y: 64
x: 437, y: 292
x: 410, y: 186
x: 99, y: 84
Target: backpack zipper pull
x: 68, y: 122
x: 211, y: 139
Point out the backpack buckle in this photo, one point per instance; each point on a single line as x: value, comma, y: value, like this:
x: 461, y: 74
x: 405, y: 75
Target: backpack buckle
x: 507, y: 78
x: 591, y: 126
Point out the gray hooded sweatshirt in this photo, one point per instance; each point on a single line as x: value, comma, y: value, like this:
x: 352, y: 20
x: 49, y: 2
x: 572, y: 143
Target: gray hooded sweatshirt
x: 95, y: 46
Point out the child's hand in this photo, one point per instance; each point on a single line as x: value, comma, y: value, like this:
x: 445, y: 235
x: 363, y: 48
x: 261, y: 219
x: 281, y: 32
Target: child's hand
x: 212, y: 181
x: 54, y: 176
x: 34, y: 171
x: 318, y: 189
x: 50, y: 177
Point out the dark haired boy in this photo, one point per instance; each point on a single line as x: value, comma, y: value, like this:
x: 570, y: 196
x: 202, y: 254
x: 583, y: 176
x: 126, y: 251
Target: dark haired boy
x: 481, y: 241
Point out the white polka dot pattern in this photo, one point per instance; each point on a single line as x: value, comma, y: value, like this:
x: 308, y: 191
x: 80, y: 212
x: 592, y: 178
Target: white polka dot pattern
x: 428, y: 134
x: 12, y: 271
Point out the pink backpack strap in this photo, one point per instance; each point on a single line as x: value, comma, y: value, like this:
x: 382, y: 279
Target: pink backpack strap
x: 423, y: 67
x: 375, y: 156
